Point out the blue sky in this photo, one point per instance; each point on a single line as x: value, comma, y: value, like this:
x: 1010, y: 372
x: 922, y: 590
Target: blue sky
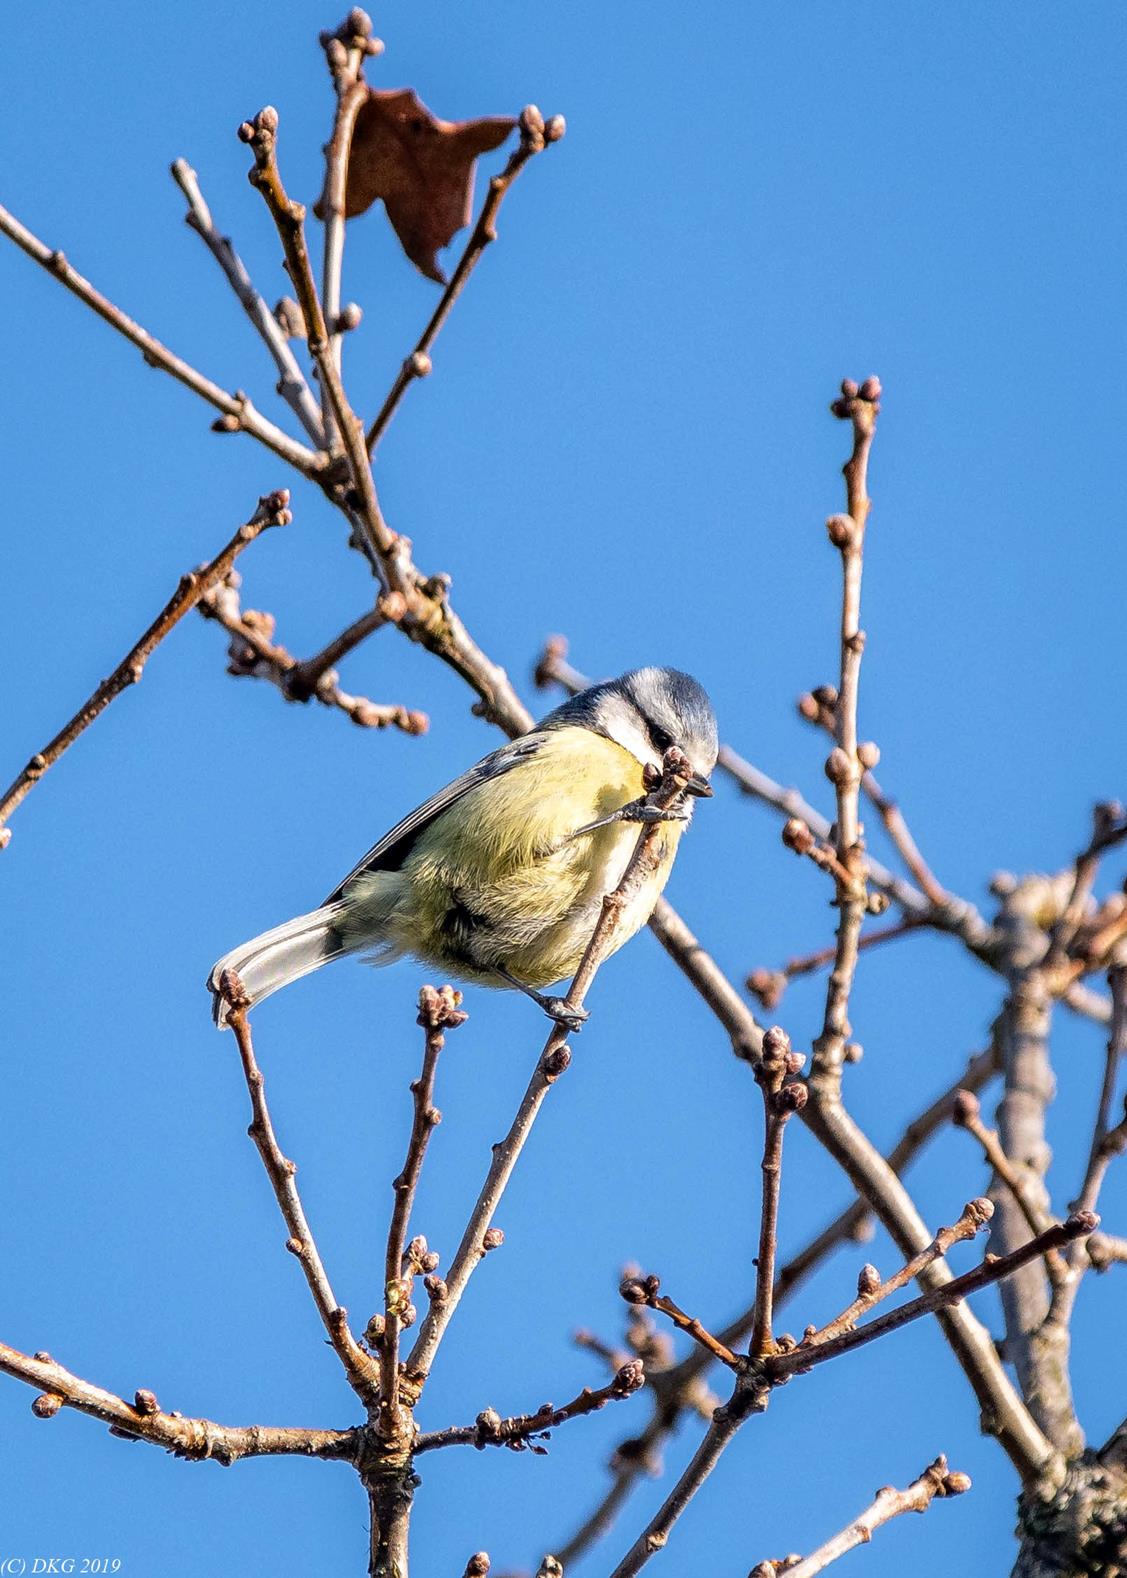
x: 626, y: 439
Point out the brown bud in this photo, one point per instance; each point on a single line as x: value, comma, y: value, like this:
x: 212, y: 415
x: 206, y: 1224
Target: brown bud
x: 477, y: 1566
x: 554, y: 128
x: 556, y: 1062
x: 420, y: 364
x: 868, y: 1281
x: 488, y: 1424
x: 965, y: 1108
x: 493, y: 1239
x: 373, y: 1332
x: 43, y: 1357
x: 46, y: 1405
x: 839, y: 770
x: 145, y: 1402
x: 349, y: 317
x: 436, y: 1289
x: 1081, y: 1223
x: 767, y: 986
x: 841, y: 530
x: 633, y: 1290
x: 792, y: 1098
x: 868, y: 754
x: 955, y: 1484
x: 979, y: 1210
x: 876, y: 903
x: 809, y: 708
x: 797, y: 836
x: 849, y: 388
x: 629, y: 1378
x: 776, y: 1044
x: 870, y: 390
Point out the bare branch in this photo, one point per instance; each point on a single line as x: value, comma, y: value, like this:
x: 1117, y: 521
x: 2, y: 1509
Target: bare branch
x: 525, y: 1430
x: 144, y: 1420
x: 846, y: 763
x: 871, y: 1290
x: 819, y: 707
x: 345, y: 51
x: 439, y: 1011
x: 292, y: 385
x: 239, y: 415
x: 535, y: 135
x: 358, y: 1366
x: 783, y: 1096
x: 552, y: 1062
x: 768, y: 986
x: 644, y: 1290
x: 382, y: 545
x: 966, y: 1115
x: 994, y: 1269
x: 936, y: 1480
x: 272, y: 511
x: 253, y: 654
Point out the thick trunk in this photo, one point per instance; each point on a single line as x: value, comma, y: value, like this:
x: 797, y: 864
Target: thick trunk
x: 1081, y: 1531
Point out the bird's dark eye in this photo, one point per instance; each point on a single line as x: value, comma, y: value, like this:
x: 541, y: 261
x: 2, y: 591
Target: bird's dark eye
x: 660, y: 738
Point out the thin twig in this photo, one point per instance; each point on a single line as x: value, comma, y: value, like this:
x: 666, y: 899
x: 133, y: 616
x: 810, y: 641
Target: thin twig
x: 144, y: 1420
x: 768, y: 986
x: 935, y: 1481
x: 524, y: 1430
x: 239, y: 415
x: 272, y: 511
x: 381, y: 543
x: 966, y: 1114
x: 994, y: 1269
x: 871, y: 1290
x: 552, y: 1062
x: 535, y: 135
x: 1109, y: 827
x: 292, y: 385
x: 819, y: 707
x: 644, y: 1290
x: 439, y: 1011
x: 358, y: 1366
x: 844, y: 767
x: 253, y: 654
x: 781, y: 1100
x: 345, y: 51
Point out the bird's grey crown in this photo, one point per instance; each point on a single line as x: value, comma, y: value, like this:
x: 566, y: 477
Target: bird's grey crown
x: 647, y: 710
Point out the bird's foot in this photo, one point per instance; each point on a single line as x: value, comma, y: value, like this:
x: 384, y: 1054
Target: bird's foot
x: 562, y: 1012
x: 638, y: 811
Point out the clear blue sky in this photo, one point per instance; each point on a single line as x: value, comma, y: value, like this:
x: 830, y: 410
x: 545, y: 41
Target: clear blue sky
x: 625, y: 438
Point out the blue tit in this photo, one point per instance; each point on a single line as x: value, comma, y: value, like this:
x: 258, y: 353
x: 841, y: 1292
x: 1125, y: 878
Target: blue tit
x: 498, y: 879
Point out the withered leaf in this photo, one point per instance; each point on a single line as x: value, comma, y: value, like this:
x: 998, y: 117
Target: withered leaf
x: 421, y: 167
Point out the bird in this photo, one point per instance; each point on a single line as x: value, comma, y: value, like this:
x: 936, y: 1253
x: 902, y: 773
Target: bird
x: 499, y: 877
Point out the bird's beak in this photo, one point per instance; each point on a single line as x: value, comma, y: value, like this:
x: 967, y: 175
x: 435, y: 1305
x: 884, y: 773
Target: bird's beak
x: 699, y: 785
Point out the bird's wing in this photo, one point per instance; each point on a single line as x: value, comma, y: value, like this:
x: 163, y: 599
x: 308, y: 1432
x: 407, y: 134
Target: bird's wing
x: 394, y: 846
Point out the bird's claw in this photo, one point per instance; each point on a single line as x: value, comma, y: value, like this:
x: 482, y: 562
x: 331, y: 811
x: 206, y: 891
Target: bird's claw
x: 560, y: 1010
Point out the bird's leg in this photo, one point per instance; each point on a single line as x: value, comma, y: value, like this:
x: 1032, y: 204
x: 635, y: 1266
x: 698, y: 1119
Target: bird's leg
x: 637, y: 811
x: 557, y: 1008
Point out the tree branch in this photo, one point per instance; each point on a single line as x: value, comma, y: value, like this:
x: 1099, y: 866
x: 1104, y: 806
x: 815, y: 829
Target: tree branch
x: 781, y: 1100
x: 358, y: 1366
x: 439, y: 1011
x: 522, y: 1431
x: 239, y: 415
x: 292, y: 385
x: 936, y: 1480
x: 272, y: 511
x: 845, y: 763
x: 144, y: 1420
x: 253, y: 654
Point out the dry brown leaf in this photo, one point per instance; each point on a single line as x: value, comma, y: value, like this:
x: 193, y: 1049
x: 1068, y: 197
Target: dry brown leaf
x: 421, y: 167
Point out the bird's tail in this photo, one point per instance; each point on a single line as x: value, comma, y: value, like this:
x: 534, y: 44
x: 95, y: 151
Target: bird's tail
x: 277, y: 958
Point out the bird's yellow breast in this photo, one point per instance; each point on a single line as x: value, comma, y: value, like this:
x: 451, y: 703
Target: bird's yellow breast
x: 499, y: 880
